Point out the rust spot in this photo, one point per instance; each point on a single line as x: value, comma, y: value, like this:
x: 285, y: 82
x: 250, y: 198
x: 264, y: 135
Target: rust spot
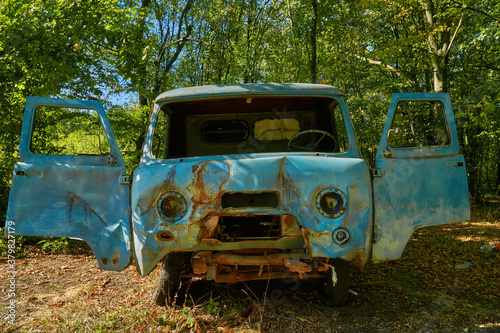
x: 306, y: 239
x: 289, y: 221
x: 208, y: 181
x: 289, y: 226
x: 225, y: 270
x: 165, y: 236
x: 116, y: 259
x: 105, y: 261
x: 208, y: 226
x: 297, y: 266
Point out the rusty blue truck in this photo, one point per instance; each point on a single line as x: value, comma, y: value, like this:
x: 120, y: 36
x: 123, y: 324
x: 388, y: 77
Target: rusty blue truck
x: 242, y: 182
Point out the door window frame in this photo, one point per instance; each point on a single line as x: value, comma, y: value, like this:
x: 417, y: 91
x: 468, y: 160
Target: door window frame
x: 415, y: 152
x: 113, y: 158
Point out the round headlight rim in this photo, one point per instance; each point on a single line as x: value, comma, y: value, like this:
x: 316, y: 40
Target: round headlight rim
x: 342, y: 202
x: 181, y: 213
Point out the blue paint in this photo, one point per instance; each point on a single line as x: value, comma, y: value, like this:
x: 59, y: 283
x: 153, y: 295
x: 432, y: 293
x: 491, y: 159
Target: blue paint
x: 72, y: 196
x: 87, y: 197
x: 421, y: 186
x: 296, y: 178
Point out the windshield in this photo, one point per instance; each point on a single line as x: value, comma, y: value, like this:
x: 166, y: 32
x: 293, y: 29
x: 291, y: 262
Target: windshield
x: 249, y: 125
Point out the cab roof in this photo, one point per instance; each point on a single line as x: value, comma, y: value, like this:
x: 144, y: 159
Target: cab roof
x: 247, y: 90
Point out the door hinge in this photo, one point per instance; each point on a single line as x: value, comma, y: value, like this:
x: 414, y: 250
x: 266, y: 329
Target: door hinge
x: 377, y: 172
x: 125, y: 180
x: 112, y: 160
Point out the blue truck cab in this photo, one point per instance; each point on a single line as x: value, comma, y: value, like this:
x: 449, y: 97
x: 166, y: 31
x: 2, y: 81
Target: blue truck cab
x: 241, y: 182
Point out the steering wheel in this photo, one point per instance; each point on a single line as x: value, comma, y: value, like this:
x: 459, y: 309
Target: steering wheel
x: 313, y: 145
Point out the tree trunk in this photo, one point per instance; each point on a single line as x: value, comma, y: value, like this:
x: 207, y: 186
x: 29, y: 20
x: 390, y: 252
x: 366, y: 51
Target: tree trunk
x: 498, y: 172
x: 142, y: 84
x: 249, y: 31
x: 314, y: 29
x: 438, y: 47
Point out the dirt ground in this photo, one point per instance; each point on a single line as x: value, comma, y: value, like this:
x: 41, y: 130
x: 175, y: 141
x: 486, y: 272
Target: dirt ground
x: 443, y: 283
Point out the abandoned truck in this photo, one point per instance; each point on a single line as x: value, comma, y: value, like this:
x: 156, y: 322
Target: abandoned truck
x: 241, y: 182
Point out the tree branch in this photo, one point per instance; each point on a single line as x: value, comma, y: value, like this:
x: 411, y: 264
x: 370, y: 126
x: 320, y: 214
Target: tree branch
x: 455, y: 34
x: 183, y: 39
x: 389, y: 67
x: 464, y: 6
x: 183, y: 17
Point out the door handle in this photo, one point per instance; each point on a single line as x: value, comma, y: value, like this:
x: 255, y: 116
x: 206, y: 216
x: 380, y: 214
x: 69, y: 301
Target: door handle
x: 451, y: 165
x: 30, y: 173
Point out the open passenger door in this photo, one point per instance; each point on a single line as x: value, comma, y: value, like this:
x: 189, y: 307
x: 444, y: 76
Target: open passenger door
x: 420, y: 178
x: 71, y: 179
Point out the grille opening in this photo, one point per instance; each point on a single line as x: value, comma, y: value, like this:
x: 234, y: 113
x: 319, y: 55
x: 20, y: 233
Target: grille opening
x: 237, y: 228
x: 238, y: 200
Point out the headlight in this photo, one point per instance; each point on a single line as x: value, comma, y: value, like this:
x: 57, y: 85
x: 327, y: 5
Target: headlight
x: 331, y: 202
x: 172, y: 206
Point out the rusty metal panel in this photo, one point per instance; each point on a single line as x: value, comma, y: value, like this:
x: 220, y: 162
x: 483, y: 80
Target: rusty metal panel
x: 297, y: 178
x: 73, y: 196
x: 417, y: 186
x: 251, y: 89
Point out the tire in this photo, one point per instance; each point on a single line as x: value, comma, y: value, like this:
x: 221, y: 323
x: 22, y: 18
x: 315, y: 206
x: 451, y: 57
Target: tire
x: 335, y: 293
x: 169, y: 282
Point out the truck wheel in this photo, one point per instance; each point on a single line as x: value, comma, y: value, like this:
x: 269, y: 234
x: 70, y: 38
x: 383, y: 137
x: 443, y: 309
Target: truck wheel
x: 336, y: 287
x: 169, y: 282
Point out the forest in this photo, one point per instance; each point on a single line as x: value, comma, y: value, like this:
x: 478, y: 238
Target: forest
x: 125, y: 52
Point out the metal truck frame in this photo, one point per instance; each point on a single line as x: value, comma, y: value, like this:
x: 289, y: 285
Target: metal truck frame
x: 247, y: 182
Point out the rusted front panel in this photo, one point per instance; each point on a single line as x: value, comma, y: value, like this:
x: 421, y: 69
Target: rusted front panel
x: 234, y: 267
x: 297, y: 180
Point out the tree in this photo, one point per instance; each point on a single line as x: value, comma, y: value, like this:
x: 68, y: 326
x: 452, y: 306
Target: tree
x: 369, y: 49
x: 51, y: 48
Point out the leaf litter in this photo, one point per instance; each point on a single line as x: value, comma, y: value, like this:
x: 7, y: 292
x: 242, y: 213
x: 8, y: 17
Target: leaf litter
x: 421, y: 292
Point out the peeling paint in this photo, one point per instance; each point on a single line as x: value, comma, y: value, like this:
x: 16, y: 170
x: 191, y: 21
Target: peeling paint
x: 89, y: 197
x: 418, y: 188
x: 72, y: 196
x: 303, y: 181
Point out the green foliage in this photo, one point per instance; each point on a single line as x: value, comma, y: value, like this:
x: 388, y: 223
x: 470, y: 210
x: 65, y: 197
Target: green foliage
x: 17, y: 241
x: 213, y: 307
x: 369, y: 49
x: 129, y: 123
x: 68, y: 132
x: 52, y: 48
x: 54, y: 244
